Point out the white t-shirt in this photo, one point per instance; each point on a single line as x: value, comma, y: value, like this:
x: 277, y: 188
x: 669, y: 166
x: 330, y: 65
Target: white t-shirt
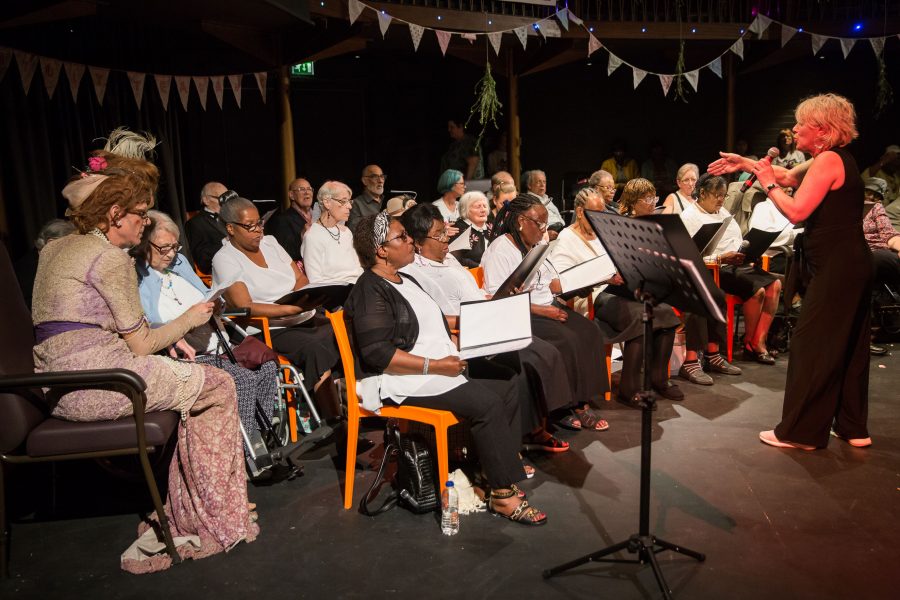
x: 571, y: 249
x: 326, y: 259
x: 449, y: 283
x: 499, y: 261
x: 265, y: 285
x: 450, y: 217
x: 695, y: 217
x: 176, y: 296
x: 767, y: 217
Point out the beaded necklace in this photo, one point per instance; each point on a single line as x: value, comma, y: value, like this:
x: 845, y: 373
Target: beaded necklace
x: 335, y: 236
x: 168, y: 289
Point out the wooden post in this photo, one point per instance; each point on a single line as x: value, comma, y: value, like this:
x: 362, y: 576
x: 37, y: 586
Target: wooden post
x: 513, y: 138
x: 731, y: 84
x: 286, y: 124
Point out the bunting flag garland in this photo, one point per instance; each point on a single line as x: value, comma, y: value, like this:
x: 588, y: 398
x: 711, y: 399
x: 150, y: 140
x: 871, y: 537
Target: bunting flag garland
x: 738, y: 48
x: 415, y: 32
x: 202, y: 85
x: 593, y: 44
x: 74, y: 72
x: 355, y: 7
x: 495, y: 39
x: 549, y: 29
x: 716, y: 67
x: 760, y: 24
x: 877, y: 47
x: 261, y: 78
x: 563, y: 17
x: 469, y: 37
x: 637, y: 76
x: 50, y: 69
x: 574, y: 18
x: 614, y: 63
x: 235, y: 81
x: 787, y: 32
x: 137, y: 85
x: 522, y: 34
x: 384, y: 21
x: 5, y: 59
x: 847, y: 45
x: 183, y: 85
x: 666, y: 82
x: 27, y: 65
x: 218, y: 86
x: 100, y: 77
x: 693, y: 78
x: 443, y: 38
x: 817, y: 42
x: 164, y: 87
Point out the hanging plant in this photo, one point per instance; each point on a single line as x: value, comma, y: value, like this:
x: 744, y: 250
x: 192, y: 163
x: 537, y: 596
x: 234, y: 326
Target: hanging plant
x: 884, y: 96
x: 487, y: 105
x: 680, y: 91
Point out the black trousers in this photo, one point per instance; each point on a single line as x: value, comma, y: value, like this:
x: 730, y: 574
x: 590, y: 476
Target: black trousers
x: 887, y: 269
x: 700, y: 331
x: 633, y: 360
x: 491, y: 407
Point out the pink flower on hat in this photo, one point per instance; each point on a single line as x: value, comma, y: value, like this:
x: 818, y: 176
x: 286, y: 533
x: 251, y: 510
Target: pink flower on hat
x: 97, y: 163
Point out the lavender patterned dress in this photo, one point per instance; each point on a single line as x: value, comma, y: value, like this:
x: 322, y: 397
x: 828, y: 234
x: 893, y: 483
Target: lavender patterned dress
x: 85, y: 279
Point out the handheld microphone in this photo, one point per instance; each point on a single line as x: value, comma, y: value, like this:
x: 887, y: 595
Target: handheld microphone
x: 748, y: 183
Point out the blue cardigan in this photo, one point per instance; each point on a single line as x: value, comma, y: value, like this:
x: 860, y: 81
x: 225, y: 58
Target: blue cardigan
x: 150, y: 284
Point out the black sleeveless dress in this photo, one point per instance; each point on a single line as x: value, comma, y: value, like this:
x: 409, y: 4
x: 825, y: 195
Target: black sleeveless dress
x: 828, y: 373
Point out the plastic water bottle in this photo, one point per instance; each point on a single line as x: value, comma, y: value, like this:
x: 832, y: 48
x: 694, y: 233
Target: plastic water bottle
x: 449, y: 510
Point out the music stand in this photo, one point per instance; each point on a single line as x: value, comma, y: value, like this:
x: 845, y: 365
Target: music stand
x: 659, y: 263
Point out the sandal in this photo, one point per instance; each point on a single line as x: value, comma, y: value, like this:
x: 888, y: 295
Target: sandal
x: 570, y: 422
x: 524, y: 513
x: 591, y: 420
x: 544, y: 442
x: 518, y: 491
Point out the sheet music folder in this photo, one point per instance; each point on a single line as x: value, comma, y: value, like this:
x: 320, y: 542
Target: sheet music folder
x: 709, y: 236
x: 525, y: 273
x: 314, y: 295
x: 488, y: 327
x: 656, y: 255
x: 760, y: 240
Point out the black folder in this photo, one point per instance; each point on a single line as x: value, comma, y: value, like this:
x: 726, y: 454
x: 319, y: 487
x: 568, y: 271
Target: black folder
x: 314, y: 295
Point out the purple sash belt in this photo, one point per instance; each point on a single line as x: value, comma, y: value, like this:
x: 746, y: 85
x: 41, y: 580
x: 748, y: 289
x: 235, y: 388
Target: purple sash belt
x: 46, y: 330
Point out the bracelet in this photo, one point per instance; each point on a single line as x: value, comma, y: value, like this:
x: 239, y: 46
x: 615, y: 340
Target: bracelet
x: 425, y: 366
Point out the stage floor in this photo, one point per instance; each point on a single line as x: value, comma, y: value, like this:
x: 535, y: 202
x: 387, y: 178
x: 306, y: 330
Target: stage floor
x: 773, y: 523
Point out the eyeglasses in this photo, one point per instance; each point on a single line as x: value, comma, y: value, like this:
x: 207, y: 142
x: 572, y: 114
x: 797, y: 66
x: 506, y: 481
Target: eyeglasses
x: 608, y: 188
x: 541, y: 225
x: 382, y: 177
x: 143, y: 214
x: 716, y: 196
x: 462, y: 183
x: 651, y: 200
x: 404, y: 237
x: 252, y: 228
x: 167, y: 249
x: 442, y: 238
x: 342, y: 203
x: 302, y: 189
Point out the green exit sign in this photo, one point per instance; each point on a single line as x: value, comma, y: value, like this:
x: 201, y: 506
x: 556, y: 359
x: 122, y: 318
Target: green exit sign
x: 305, y: 69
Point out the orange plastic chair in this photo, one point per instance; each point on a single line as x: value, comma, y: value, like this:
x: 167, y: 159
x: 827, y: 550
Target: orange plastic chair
x: 441, y: 420
x: 731, y: 304
x: 478, y: 274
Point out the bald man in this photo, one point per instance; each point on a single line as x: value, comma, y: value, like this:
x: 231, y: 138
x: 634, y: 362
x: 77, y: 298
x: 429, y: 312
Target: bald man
x: 205, y: 231
x: 369, y: 201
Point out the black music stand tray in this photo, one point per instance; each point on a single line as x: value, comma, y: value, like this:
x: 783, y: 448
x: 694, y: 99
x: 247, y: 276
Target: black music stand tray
x: 659, y: 263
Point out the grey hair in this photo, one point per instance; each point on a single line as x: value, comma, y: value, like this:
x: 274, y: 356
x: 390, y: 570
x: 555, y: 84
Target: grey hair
x: 467, y: 200
x: 329, y: 189
x: 204, y: 191
x: 52, y: 230
x: 683, y: 169
x: 596, y: 176
x: 527, y: 176
x: 584, y: 195
x: 163, y: 222
x: 231, y: 210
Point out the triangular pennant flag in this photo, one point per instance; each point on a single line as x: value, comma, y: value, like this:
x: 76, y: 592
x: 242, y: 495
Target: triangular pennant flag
x: 817, y: 42
x: 716, y: 67
x: 5, y: 59
x: 614, y: 62
x: 593, y: 44
x: 666, y: 82
x: 235, y: 81
x: 877, y: 47
x: 738, y: 47
x: 760, y: 24
x: 384, y: 21
x: 27, y: 65
x: 137, y: 86
x: 563, y: 17
x: 50, y: 68
x: 218, y: 86
x: 471, y: 37
x: 261, y: 78
x: 522, y: 34
x: 415, y: 32
x: 183, y: 85
x: 574, y: 18
x: 355, y: 7
x: 74, y: 71
x: 847, y: 45
x: 787, y: 32
x: 638, y: 75
x: 100, y: 77
x: 550, y: 29
x: 202, y: 85
x: 443, y: 40
x: 495, y: 39
x: 693, y: 78
x: 164, y: 87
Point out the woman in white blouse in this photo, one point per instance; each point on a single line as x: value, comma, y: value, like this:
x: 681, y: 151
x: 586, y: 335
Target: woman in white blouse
x: 327, y: 248
x: 520, y: 226
x: 680, y: 199
x: 262, y: 272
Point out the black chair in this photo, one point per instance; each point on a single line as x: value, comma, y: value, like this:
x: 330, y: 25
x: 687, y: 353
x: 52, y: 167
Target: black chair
x: 29, y: 434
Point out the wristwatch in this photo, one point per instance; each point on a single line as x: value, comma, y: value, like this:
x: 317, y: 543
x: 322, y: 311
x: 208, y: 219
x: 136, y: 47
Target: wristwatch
x: 770, y: 187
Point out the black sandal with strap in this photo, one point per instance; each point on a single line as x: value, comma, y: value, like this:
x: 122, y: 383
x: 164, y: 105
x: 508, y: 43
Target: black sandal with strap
x: 524, y: 513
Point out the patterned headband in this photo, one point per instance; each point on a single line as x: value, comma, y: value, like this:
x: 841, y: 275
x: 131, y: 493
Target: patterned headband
x: 79, y: 190
x: 380, y: 228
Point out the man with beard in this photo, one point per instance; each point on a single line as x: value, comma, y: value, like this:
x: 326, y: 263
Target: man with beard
x: 369, y: 201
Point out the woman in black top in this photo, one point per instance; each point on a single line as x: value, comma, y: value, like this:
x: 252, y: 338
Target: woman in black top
x: 828, y: 372
x: 406, y: 355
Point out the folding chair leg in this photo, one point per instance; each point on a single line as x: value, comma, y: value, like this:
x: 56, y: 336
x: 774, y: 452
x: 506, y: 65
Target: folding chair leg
x: 4, y: 528
x: 158, y: 505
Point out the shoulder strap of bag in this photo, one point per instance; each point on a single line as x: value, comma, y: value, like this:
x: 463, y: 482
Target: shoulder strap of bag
x: 392, y: 499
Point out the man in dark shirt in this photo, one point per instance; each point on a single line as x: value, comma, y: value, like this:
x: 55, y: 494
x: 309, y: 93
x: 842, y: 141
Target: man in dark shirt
x: 289, y: 224
x: 205, y: 231
x: 369, y: 201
